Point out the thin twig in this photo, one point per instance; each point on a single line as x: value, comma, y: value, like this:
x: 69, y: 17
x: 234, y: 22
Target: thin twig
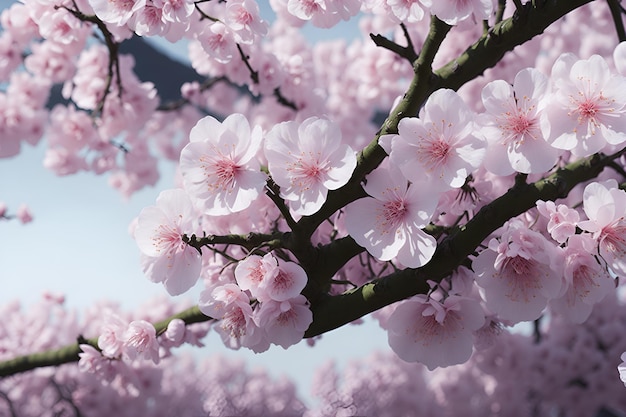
x: 273, y: 192
x: 500, y: 11
x: 406, y: 52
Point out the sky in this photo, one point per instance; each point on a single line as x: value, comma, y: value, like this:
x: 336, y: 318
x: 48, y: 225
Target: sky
x: 78, y: 245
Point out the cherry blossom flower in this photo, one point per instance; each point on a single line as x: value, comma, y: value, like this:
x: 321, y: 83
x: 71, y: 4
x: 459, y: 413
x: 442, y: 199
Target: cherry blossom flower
x: 177, y: 11
x: 517, y: 273
x: 91, y: 360
x: 287, y: 283
x: 175, y: 332
x: 563, y: 220
x: 111, y: 339
x: 388, y: 224
x: 218, y: 42
x: 243, y: 18
x: 515, y: 124
x: 149, y: 20
x: 306, y: 160
x: 252, y: 271
x: 406, y: 10
x: 23, y: 214
x: 588, y: 108
x: 219, y: 166
x: 454, y: 11
x: 284, y: 322
x: 140, y: 341
x: 587, y: 282
x: 323, y: 13
x: 231, y: 306
x: 116, y: 12
x: 437, y: 334
x: 440, y: 144
x: 605, y: 206
x: 305, y: 9
x: 158, y: 234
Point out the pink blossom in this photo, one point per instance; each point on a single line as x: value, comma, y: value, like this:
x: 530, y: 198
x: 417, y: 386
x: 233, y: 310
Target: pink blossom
x: 116, y: 12
x: 437, y: 334
x: 406, y: 10
x: 321, y: 13
x: 389, y: 223
x: 231, y: 306
x: 306, y: 160
x: 563, y: 220
x: 517, y: 273
x: 149, y: 21
x: 284, y: 322
x: 10, y: 56
x: 91, y: 360
x: 23, y: 214
x: 251, y: 272
x: 605, y: 206
x: 587, y: 282
x: 71, y: 129
x: 217, y: 301
x: 63, y: 162
x: 177, y: 11
x: 588, y: 109
x: 175, y: 332
x: 287, y: 283
x: 440, y: 144
x: 111, y: 339
x: 218, y: 42
x: 159, y: 234
x: 515, y: 125
x: 64, y: 31
x: 18, y: 24
x: 454, y: 11
x: 219, y: 167
x: 140, y: 341
x: 243, y: 18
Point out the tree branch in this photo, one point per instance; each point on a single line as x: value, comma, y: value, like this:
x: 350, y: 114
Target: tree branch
x: 407, y: 52
x: 70, y: 353
x: 335, y: 311
x: 249, y: 241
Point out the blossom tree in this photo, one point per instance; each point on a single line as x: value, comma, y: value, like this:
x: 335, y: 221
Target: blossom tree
x: 456, y: 171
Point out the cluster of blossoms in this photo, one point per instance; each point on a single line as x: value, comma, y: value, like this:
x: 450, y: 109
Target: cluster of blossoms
x: 102, y: 385
x: 264, y: 307
x: 260, y: 190
x: 529, y: 127
x: 260, y: 301
x: 559, y: 370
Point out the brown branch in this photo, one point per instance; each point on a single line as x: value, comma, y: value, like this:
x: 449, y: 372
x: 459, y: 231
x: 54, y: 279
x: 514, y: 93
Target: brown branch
x: 68, y: 354
x: 250, y: 241
x: 113, y: 48
x: 407, y: 52
x: 335, y: 311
